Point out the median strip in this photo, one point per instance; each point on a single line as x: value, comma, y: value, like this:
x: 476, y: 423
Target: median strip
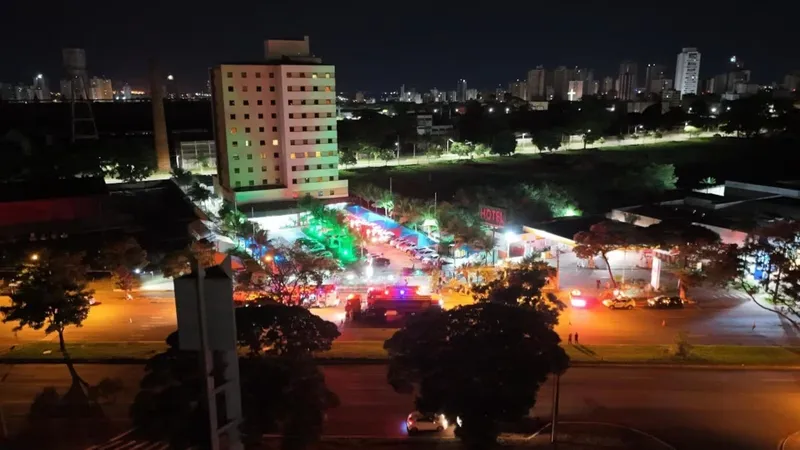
x: 372, y: 352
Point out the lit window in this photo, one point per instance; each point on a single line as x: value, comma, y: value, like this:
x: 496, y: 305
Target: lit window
x: 292, y: 156
x: 313, y: 75
x: 318, y: 154
x: 247, y: 143
x: 328, y: 102
x: 274, y: 142
x: 233, y: 130
x: 327, y: 75
x: 327, y: 89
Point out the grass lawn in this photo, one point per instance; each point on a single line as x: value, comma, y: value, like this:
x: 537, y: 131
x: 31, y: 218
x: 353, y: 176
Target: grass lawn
x: 89, y: 350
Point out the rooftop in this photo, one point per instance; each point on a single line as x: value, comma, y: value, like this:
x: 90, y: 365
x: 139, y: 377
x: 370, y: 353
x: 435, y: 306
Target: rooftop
x: 22, y: 191
x: 568, y: 227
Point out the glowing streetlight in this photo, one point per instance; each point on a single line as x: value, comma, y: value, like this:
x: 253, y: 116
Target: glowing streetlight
x: 170, y: 77
x: 39, y: 76
x: 35, y: 257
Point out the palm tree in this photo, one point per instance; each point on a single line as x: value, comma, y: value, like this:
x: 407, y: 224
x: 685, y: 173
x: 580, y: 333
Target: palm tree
x: 386, y: 202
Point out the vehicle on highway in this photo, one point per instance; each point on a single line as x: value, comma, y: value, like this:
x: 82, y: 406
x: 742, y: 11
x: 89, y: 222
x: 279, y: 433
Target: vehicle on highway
x: 665, y: 302
x: 381, y: 262
x: 619, y: 302
x: 417, y: 422
x: 578, y: 299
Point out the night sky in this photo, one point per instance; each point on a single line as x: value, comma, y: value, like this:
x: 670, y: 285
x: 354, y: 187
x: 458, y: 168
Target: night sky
x: 378, y: 45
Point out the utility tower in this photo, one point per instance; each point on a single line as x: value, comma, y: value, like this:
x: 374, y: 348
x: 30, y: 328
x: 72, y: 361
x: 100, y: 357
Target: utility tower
x: 83, y: 124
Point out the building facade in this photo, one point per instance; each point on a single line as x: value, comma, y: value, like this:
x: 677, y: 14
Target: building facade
x: 100, y: 89
x: 653, y: 73
x: 461, y: 90
x: 575, y: 92
x: 628, y: 80
x: 536, y: 83
x: 275, y: 131
x: 687, y: 71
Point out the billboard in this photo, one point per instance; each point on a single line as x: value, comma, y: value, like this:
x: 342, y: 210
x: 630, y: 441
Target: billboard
x: 496, y: 217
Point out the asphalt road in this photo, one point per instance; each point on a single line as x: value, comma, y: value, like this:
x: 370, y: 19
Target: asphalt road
x: 688, y: 408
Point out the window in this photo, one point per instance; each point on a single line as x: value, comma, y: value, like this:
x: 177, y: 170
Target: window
x: 292, y: 142
x: 246, y: 116
x: 330, y: 128
x: 244, y: 88
x: 306, y: 180
x: 233, y: 116
x: 294, y: 180
x: 302, y: 74
x: 245, y: 102
x: 329, y: 115
x: 330, y: 141
x: 264, y: 181
x: 328, y: 102
x: 291, y: 128
x: 263, y: 155
x: 258, y: 88
x: 230, y: 88
x: 249, y: 156
x: 330, y: 166
x: 235, y: 143
x: 314, y: 75
x: 316, y: 115
x: 293, y: 156
x: 288, y: 74
x: 246, y: 129
x: 260, y: 115
x: 331, y: 191
x: 327, y: 89
x: 259, y: 102
x: 248, y: 143
x: 275, y: 155
x: 230, y: 74
x: 305, y: 167
x: 315, y: 88
x: 272, y: 75
x: 263, y: 168
x: 277, y: 167
x: 277, y: 181
x: 274, y: 115
x: 272, y: 88
x: 234, y: 130
x: 274, y: 128
x: 316, y: 128
x: 272, y: 102
x: 303, y: 115
x: 235, y: 157
x: 294, y: 168
x: 244, y: 74
x: 319, y: 193
x: 274, y: 142
x: 319, y: 166
x: 238, y: 183
x: 316, y: 102
x: 250, y: 170
x: 262, y: 142
x: 327, y: 75
x: 318, y: 141
x: 231, y: 103
x: 319, y: 154
x: 330, y: 178
x: 236, y: 170
x: 291, y: 102
x: 258, y: 74
x: 251, y: 183
x: 302, y: 88
x: 260, y: 129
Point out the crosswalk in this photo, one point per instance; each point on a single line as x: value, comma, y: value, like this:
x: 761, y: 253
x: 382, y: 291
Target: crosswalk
x: 128, y: 441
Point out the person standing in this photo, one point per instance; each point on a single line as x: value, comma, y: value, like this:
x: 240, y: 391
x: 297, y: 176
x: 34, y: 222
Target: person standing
x: 569, y: 339
x: 576, y: 338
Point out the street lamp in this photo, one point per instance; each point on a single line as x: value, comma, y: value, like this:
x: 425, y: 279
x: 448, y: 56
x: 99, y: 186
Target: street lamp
x: 510, y: 237
x: 447, y: 145
x: 35, y: 257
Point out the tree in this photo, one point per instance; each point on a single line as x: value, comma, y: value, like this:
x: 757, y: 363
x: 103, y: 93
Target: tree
x: 274, y: 329
x: 522, y: 284
x: 52, y: 294
x: 653, y: 177
x: 547, y: 139
x: 198, y: 192
x: 480, y: 150
x: 481, y: 363
x: 348, y: 156
x: 386, y: 202
x: 124, y: 258
x: 232, y: 222
x: 435, y: 150
x: 504, y: 143
x: 175, y: 264
x: 289, y: 269
x: 204, y: 252
x: 279, y: 395
x: 386, y: 155
x: 601, y: 239
x: 745, y: 116
x: 461, y: 148
x: 182, y: 176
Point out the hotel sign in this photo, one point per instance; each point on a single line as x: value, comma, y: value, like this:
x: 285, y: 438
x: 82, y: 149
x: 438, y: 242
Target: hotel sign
x: 493, y: 216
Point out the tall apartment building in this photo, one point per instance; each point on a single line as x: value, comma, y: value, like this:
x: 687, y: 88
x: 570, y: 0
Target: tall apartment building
x: 628, y: 80
x: 652, y: 73
x: 519, y: 89
x: 687, y: 71
x: 561, y: 78
x: 275, y: 127
x: 461, y: 90
x: 536, y: 83
x: 100, y: 89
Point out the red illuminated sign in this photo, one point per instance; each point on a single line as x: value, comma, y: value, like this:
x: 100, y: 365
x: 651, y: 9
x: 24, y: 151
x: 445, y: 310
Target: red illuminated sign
x: 493, y: 216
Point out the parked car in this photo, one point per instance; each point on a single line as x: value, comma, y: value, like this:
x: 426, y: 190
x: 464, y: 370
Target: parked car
x: 619, y: 302
x: 418, y: 421
x: 665, y: 302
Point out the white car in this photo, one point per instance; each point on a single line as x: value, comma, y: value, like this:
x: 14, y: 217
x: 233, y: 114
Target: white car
x: 417, y: 422
x: 619, y: 303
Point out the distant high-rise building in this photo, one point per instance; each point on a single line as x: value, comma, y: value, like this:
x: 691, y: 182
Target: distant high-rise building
x: 652, y: 73
x: 126, y: 92
x: 359, y: 97
x: 536, y: 83
x: 592, y: 87
x: 561, y: 78
x: 660, y: 85
x: 41, y: 90
x: 575, y: 92
x: 791, y: 81
x: 628, y: 80
x: 402, y: 92
x: 273, y: 142
x: 608, y: 85
x: 519, y: 89
x: 452, y: 96
x: 687, y: 71
x: 100, y: 89
x: 470, y: 94
x: 461, y: 89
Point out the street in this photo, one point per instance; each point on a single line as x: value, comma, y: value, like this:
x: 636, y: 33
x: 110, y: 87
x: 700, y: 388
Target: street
x: 688, y: 408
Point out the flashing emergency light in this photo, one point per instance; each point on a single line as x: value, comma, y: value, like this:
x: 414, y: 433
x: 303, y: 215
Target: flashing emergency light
x: 386, y: 292
x: 402, y: 292
x: 578, y: 302
x: 576, y: 292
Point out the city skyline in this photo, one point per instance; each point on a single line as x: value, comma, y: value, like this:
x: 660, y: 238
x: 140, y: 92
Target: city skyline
x: 394, y: 56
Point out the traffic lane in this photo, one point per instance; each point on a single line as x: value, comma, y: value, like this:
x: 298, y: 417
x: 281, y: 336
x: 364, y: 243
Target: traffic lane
x: 140, y: 319
x: 687, y: 408
x: 600, y: 325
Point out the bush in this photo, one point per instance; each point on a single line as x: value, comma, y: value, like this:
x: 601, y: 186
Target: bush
x: 681, y: 348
